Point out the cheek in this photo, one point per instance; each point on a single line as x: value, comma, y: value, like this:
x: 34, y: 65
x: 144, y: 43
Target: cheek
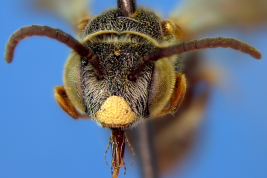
x: 162, y: 85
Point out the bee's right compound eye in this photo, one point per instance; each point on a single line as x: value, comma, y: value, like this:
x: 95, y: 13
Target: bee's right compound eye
x: 73, y: 81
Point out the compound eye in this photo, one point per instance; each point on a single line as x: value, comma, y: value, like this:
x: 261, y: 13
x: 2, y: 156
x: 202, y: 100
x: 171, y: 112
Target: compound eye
x: 161, y: 86
x: 131, y: 78
x: 73, y: 81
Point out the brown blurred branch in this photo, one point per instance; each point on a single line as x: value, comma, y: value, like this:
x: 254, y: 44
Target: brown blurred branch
x: 144, y: 137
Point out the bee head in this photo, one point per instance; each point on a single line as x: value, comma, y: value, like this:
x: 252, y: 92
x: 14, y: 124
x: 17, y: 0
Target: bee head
x: 110, y: 96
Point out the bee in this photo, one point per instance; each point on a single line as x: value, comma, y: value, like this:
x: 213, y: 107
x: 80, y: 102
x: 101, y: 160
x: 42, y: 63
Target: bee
x: 118, y: 77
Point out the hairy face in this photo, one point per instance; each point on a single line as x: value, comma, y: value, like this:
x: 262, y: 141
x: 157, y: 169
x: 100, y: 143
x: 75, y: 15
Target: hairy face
x: 115, y: 60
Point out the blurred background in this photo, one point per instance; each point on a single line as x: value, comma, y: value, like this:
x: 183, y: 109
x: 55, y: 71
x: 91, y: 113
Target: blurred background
x: 37, y: 139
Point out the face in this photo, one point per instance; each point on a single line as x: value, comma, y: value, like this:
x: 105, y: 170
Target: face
x: 115, y: 100
x: 116, y: 60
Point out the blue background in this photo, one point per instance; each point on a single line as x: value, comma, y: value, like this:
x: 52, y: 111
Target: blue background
x: 37, y: 139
